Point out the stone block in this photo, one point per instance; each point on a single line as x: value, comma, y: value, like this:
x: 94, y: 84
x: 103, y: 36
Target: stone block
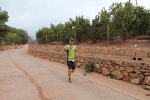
x: 141, y: 54
x: 85, y: 50
x: 129, y: 53
x: 81, y: 60
x: 122, y: 68
x: 105, y: 71
x: 91, y: 50
x: 111, y: 51
x: 137, y: 71
x: 98, y: 55
x: 97, y: 50
x: 104, y: 52
x: 79, y: 50
x: 78, y: 64
x: 97, y: 65
x: 125, y: 73
x: 118, y: 62
x: 147, y: 80
x: 117, y: 57
x: 120, y: 52
x: 129, y: 69
x: 108, y: 55
x: 126, y: 57
x: 126, y: 78
x: 118, y: 74
x: 146, y: 60
x: 135, y: 81
x: 147, y: 74
x: 148, y: 54
x: 148, y: 87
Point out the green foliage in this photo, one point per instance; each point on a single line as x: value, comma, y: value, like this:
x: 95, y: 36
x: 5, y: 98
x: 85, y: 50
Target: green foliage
x: 89, y: 66
x: 3, y: 19
x: 112, y: 76
x: 12, y: 38
x: 128, y: 20
x: 62, y: 32
x: 66, y: 32
x: 9, y: 34
x: 45, y: 35
x: 100, y: 26
x: 82, y: 28
x: 145, y: 88
x: 23, y: 35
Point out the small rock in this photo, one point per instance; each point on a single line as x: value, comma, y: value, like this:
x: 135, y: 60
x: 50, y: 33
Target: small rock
x: 139, y: 65
x: 125, y: 63
x: 116, y: 67
x: 78, y: 64
x: 129, y: 69
x: 105, y: 71
x: 141, y: 76
x: 125, y: 73
x: 147, y: 80
x: 147, y: 74
x: 118, y: 74
x: 97, y: 65
x: 148, y: 87
x: 137, y: 71
x: 135, y: 81
x: 126, y: 78
x: 122, y: 68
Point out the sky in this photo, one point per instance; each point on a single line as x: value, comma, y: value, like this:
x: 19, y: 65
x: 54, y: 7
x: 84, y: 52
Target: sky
x: 32, y: 15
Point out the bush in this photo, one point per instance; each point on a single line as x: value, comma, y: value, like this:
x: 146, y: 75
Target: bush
x: 112, y: 76
x: 89, y: 66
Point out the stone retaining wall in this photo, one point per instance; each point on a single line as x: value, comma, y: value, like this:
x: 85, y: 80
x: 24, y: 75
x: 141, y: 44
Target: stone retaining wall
x: 136, y: 72
x: 135, y: 54
x: 9, y: 47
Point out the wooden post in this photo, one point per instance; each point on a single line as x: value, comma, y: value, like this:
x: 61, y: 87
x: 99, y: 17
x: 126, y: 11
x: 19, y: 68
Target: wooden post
x: 57, y: 38
x: 46, y: 39
x: 107, y: 34
x: 75, y: 37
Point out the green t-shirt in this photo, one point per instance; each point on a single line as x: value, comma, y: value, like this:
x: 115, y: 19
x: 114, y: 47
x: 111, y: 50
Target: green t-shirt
x: 71, y: 50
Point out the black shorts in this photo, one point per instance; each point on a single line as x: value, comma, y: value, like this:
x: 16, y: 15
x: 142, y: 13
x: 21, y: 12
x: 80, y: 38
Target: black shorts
x: 71, y: 65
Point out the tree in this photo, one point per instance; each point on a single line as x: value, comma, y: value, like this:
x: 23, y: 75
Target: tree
x: 66, y: 32
x: 82, y: 28
x: 3, y: 28
x: 45, y: 35
x: 23, y: 35
x: 12, y: 38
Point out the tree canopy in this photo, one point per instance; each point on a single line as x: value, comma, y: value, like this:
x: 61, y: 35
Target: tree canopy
x: 11, y: 35
x: 121, y: 19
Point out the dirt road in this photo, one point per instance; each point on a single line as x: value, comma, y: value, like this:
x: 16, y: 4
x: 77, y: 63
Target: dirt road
x: 24, y: 77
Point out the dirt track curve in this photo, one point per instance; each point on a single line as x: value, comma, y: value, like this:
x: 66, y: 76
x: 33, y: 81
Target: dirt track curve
x: 24, y: 77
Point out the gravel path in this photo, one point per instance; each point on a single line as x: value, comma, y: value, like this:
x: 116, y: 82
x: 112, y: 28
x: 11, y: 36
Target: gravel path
x: 24, y: 77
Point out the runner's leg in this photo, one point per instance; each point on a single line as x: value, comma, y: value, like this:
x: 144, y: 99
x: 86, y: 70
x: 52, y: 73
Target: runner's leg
x: 69, y: 70
x: 73, y: 67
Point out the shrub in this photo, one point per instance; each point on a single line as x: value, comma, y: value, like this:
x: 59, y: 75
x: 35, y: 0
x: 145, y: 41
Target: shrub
x: 89, y: 66
x: 112, y: 76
